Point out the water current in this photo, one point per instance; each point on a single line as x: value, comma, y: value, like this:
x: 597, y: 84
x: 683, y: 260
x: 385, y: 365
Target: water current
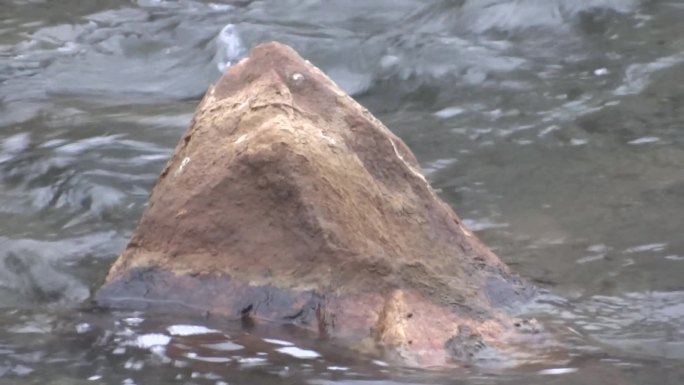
x: 554, y: 127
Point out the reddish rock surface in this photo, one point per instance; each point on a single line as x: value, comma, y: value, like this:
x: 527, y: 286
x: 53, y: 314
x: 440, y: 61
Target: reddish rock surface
x: 287, y: 201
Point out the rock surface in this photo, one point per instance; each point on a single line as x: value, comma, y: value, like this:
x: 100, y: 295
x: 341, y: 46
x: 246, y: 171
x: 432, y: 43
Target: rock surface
x: 287, y: 201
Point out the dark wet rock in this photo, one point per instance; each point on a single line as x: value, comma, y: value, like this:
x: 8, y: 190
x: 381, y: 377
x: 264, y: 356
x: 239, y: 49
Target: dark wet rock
x: 286, y: 201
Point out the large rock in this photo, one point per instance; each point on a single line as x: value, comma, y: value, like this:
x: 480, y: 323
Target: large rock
x: 286, y: 201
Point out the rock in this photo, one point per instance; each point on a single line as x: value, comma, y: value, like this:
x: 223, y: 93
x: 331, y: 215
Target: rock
x: 287, y: 201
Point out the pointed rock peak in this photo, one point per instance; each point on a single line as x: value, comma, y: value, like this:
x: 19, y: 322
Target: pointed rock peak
x: 287, y: 201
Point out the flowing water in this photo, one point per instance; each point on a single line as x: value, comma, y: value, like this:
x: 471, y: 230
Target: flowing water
x: 554, y: 127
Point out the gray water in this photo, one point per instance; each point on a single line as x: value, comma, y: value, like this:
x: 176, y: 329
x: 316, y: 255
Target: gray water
x: 554, y: 127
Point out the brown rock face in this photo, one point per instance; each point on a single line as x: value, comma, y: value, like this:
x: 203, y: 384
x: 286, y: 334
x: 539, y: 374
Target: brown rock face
x: 287, y: 201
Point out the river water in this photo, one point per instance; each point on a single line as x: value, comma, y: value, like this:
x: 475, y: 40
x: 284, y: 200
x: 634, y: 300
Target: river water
x: 554, y: 127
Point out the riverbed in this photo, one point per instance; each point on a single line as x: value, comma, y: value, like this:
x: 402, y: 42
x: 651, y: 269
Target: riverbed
x: 555, y: 129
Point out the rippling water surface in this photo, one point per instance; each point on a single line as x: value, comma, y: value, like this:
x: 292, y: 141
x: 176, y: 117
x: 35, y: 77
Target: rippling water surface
x: 556, y: 129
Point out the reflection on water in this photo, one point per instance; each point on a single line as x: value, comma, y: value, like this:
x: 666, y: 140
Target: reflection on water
x: 139, y: 348
x: 554, y: 127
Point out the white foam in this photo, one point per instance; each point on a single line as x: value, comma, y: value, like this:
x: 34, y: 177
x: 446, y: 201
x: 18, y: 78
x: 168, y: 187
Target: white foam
x: 251, y: 361
x: 278, y: 342
x: 449, y: 112
x: 601, y: 71
x: 132, y: 364
x: 389, y: 61
x: 380, y: 363
x: 226, y: 346
x: 338, y: 368
x: 218, y: 360
x: 82, y: 328
x: 147, y: 341
x: 298, y: 353
x: 645, y: 140
x: 133, y: 321
x: 654, y: 247
x: 556, y: 371
x: 548, y: 130
x: 208, y: 376
x: 189, y: 330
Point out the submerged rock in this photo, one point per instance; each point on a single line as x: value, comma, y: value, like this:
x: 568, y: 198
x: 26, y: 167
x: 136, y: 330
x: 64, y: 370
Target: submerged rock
x: 287, y: 201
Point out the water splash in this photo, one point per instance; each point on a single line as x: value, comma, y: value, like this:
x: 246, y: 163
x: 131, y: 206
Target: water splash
x: 229, y: 47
